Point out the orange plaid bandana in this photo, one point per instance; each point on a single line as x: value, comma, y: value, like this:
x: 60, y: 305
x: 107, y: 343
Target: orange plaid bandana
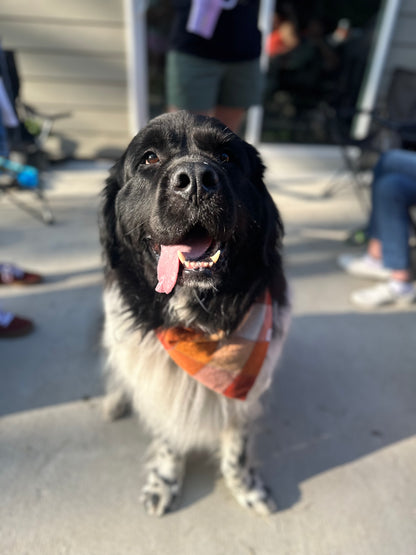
x: 230, y: 365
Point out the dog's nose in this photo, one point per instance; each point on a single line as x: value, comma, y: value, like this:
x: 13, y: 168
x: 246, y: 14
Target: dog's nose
x: 194, y: 181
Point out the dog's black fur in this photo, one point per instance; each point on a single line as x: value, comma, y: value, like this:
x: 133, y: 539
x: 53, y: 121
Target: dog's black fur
x: 188, y: 179
x: 143, y: 209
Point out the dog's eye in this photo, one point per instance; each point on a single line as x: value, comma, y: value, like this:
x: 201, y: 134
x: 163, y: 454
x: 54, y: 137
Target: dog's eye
x: 150, y: 158
x: 224, y: 157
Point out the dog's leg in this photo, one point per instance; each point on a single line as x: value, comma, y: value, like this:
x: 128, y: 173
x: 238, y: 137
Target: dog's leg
x: 242, y: 479
x: 164, y: 479
x: 116, y: 404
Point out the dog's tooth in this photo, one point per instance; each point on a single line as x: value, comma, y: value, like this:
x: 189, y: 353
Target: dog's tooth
x: 215, y: 256
x: 181, y: 257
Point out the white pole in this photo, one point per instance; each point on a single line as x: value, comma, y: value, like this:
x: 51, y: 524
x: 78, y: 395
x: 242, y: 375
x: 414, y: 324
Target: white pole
x: 376, y: 62
x: 255, y: 113
x: 137, y: 75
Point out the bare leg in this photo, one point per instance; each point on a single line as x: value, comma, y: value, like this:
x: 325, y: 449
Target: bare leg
x: 401, y: 275
x: 375, y: 250
x: 231, y: 117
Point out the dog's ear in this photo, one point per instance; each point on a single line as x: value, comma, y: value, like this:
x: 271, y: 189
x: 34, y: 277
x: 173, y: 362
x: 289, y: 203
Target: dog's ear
x: 272, y: 222
x: 107, y: 216
x: 257, y: 168
x: 273, y: 232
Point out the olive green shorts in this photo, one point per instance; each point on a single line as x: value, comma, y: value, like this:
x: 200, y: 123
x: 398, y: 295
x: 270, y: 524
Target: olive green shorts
x: 200, y: 84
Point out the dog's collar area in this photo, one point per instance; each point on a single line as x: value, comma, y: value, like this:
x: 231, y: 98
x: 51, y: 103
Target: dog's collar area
x: 227, y: 365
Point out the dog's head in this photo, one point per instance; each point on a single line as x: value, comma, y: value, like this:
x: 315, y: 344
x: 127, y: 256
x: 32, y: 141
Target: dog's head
x: 185, y: 209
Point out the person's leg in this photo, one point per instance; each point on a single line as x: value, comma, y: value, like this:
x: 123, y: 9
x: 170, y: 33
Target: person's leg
x: 231, y: 117
x: 392, y: 161
x: 395, y: 194
x: 396, y: 161
x: 374, y: 253
x: 371, y: 264
x: 387, y: 163
x: 192, y: 83
x: 241, y: 87
x: 375, y: 249
x: 387, y: 253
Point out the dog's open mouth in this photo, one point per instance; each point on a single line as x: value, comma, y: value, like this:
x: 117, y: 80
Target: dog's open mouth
x: 197, y: 252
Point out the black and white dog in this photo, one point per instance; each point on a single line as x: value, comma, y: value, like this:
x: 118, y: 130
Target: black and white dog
x: 194, y: 291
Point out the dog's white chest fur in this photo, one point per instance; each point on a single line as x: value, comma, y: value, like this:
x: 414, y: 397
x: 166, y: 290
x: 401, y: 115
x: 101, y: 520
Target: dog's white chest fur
x: 170, y: 402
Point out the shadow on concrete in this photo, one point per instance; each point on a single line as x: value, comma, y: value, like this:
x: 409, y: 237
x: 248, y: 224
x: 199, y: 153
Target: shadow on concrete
x: 60, y: 361
x: 345, y: 388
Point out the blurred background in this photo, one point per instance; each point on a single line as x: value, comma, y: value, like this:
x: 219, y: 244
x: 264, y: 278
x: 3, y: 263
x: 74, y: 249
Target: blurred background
x: 73, y: 58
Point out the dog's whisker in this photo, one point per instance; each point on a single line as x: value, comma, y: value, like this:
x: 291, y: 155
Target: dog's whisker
x: 130, y: 231
x: 201, y: 303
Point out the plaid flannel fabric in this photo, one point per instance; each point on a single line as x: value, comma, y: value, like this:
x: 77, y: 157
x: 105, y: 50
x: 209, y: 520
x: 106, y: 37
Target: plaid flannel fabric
x: 227, y: 365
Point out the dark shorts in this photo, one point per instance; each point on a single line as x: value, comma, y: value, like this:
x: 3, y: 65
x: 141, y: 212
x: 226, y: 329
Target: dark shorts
x: 200, y: 84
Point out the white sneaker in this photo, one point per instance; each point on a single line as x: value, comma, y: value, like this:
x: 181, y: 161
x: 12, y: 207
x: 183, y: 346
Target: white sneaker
x: 364, y: 266
x: 381, y: 295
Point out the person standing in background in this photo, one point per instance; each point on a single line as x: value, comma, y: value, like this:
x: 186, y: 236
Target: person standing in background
x: 213, y: 61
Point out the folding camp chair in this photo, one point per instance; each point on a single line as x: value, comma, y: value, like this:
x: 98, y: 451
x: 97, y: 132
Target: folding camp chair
x: 16, y: 178
x: 27, y: 144
x: 393, y: 125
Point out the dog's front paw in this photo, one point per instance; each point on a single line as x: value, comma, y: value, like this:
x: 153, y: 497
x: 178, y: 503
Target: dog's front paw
x: 159, y: 494
x: 254, y: 495
x: 244, y: 482
x: 164, y: 480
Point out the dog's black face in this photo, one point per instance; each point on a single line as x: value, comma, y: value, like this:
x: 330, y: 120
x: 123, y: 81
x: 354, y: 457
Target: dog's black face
x: 186, y: 213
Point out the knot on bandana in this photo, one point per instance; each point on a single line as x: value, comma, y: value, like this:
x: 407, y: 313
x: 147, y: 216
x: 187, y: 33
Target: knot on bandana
x: 227, y: 365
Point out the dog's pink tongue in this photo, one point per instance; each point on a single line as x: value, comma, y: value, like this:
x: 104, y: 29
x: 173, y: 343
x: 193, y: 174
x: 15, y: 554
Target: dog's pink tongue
x: 168, y: 266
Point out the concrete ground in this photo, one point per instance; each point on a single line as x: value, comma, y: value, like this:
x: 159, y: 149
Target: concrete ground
x: 337, y: 445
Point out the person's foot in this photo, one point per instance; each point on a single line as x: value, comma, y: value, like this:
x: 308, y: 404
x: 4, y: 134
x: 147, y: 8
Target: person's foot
x: 364, y: 266
x: 384, y: 294
x: 13, y: 326
x: 10, y: 274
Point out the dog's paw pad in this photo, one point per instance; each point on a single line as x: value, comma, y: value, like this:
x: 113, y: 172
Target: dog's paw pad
x: 159, y: 495
x: 153, y: 504
x: 254, y: 495
x: 157, y: 504
x: 259, y: 501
